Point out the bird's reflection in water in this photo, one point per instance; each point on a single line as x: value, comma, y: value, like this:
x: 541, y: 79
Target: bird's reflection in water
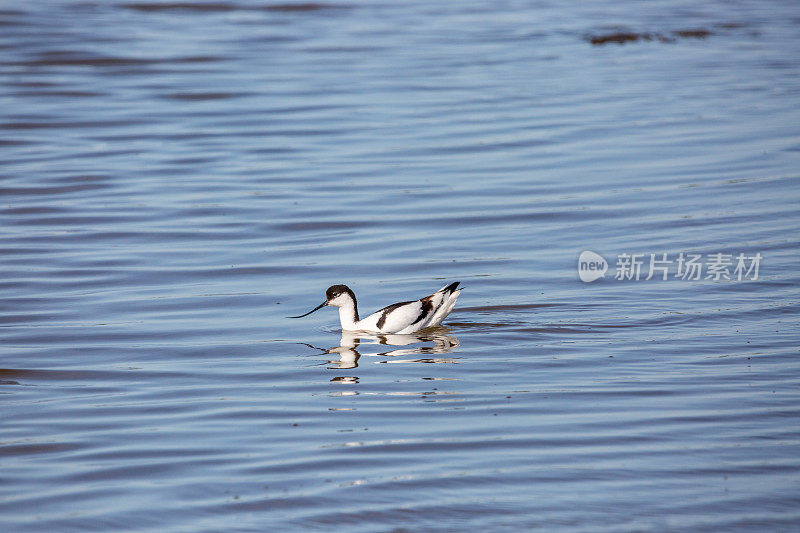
x: 439, y: 339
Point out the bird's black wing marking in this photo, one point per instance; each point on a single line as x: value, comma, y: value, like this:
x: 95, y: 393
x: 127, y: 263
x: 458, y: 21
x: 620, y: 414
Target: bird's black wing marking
x: 427, y: 305
x: 451, y: 287
x: 388, y: 309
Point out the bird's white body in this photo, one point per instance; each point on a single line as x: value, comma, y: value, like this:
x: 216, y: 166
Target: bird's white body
x: 403, y: 317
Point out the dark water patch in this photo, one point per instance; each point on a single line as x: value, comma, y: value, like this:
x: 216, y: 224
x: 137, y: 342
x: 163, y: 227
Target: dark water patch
x: 732, y: 25
x: 67, y: 124
x: 6, y: 320
x: 622, y: 37
x: 34, y: 210
x: 203, y: 7
x: 694, y: 33
x: 51, y: 190
x: 291, y: 132
x: 350, y: 50
x: 39, y: 448
x: 321, y: 226
x: 103, y: 335
x: 14, y: 19
x: 299, y: 7
x: 15, y: 142
x: 500, y: 308
x: 224, y: 7
x: 575, y: 215
x: 70, y: 58
x: 5, y: 12
x: 67, y: 221
x: 274, y: 150
x: 203, y: 96
x: 482, y: 325
x: 486, y: 146
x: 60, y: 94
x: 41, y: 375
x: 557, y: 329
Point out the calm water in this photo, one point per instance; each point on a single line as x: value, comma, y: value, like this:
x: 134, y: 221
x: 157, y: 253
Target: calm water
x: 179, y: 177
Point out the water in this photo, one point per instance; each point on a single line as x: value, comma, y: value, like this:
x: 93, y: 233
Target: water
x: 179, y: 177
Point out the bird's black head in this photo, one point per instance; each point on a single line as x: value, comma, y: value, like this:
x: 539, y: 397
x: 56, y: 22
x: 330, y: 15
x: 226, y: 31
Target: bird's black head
x: 334, y: 291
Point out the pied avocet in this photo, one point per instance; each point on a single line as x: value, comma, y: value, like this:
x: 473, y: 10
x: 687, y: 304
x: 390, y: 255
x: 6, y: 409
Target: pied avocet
x: 403, y: 317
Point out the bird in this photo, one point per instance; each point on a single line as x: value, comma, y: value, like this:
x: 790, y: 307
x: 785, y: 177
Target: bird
x: 402, y: 317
